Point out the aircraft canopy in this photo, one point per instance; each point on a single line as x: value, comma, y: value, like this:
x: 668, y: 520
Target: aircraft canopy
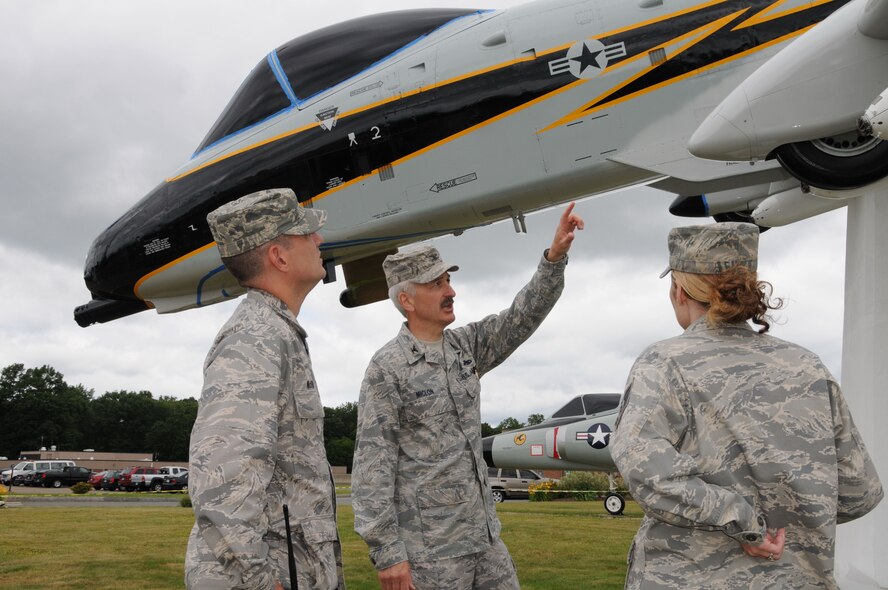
x: 589, y: 403
x: 310, y: 64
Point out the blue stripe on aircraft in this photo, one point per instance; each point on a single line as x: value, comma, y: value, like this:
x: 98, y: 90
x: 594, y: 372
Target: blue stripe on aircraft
x: 244, y: 130
x: 204, y: 279
x: 278, y: 70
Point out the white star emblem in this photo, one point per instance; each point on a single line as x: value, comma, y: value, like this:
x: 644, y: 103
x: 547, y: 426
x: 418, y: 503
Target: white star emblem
x: 599, y: 436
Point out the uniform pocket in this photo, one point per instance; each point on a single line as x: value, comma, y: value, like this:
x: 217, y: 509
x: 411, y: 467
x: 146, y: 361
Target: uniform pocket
x: 316, y: 567
x: 319, y: 529
x: 426, y: 407
x: 466, y: 376
x: 451, y: 517
x: 308, y: 403
x: 472, y: 385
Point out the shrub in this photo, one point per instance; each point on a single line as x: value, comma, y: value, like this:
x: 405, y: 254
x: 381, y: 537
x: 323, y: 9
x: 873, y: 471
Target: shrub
x: 185, y: 502
x: 587, y: 485
x: 541, y: 492
x: 81, y: 487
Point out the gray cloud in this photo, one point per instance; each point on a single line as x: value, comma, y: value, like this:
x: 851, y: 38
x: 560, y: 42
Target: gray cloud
x: 103, y: 99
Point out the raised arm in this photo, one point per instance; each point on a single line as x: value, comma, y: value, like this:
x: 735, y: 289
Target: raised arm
x: 564, y: 234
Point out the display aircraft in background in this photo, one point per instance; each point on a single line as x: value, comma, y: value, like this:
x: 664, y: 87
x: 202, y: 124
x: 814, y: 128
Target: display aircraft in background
x: 576, y: 437
x: 415, y: 124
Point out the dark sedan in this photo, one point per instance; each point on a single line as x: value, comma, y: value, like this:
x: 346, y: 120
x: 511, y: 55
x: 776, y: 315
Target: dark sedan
x: 175, y: 482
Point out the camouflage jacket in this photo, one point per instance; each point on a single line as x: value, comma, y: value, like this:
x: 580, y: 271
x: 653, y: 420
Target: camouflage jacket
x: 723, y: 429
x: 257, y: 444
x: 419, y: 482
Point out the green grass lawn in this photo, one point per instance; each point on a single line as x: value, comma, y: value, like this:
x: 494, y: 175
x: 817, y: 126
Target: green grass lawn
x: 556, y: 545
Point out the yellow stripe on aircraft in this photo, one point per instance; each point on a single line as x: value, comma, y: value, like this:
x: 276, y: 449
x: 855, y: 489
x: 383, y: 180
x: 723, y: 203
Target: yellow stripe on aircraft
x: 168, y: 265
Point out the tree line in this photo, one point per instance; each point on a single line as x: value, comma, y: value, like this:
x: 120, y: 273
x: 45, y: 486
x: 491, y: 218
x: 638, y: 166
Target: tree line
x: 39, y: 409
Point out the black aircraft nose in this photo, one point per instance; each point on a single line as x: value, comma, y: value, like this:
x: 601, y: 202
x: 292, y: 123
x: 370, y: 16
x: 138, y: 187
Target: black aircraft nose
x: 99, y: 311
x: 113, y: 265
x: 108, y: 302
x: 111, y: 269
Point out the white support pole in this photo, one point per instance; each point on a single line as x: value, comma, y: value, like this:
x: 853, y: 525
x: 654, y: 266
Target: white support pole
x: 862, y: 545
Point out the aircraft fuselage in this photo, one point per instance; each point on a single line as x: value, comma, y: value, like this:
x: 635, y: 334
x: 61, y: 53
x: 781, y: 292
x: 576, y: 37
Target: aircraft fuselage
x: 481, y: 116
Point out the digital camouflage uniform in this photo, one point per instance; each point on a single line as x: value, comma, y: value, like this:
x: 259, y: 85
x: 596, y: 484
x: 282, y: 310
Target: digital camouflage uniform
x: 257, y: 444
x: 720, y: 427
x: 419, y: 483
x: 258, y: 440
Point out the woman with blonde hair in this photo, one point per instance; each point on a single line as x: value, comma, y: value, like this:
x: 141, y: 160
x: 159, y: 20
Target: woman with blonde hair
x: 739, y: 446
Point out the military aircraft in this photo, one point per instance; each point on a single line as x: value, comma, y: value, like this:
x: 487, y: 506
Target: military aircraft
x: 575, y: 437
x: 421, y: 123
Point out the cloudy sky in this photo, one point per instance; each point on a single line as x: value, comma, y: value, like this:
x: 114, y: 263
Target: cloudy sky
x: 101, y: 100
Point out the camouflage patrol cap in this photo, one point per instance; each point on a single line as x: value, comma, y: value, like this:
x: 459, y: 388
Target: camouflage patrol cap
x: 257, y: 218
x: 421, y: 265
x: 712, y: 249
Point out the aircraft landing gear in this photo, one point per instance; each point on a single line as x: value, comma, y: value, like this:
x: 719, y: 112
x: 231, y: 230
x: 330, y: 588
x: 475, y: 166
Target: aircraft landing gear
x: 842, y: 162
x: 614, y: 504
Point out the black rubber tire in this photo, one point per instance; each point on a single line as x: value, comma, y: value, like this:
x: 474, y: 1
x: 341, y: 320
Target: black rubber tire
x: 498, y: 496
x: 814, y: 166
x: 614, y: 504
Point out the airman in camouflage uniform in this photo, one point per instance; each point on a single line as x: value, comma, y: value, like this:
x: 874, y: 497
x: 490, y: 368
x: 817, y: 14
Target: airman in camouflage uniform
x: 738, y: 446
x: 258, y: 441
x: 419, y: 485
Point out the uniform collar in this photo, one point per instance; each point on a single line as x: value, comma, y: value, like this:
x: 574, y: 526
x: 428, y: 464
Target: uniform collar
x: 701, y: 325
x: 264, y: 298
x: 414, y: 349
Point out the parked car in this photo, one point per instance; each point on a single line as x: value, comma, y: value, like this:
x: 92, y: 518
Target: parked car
x: 154, y: 481
x: 141, y: 481
x: 512, y: 483
x: 17, y: 474
x: 57, y: 478
x: 28, y: 478
x: 175, y: 482
x: 111, y: 480
x: 96, y: 479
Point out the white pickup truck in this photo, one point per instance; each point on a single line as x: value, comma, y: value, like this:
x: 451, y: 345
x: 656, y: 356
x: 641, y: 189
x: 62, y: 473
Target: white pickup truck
x: 154, y: 481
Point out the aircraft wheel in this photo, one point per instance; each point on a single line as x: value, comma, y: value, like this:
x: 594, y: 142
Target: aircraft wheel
x: 498, y: 496
x: 846, y: 161
x: 614, y: 504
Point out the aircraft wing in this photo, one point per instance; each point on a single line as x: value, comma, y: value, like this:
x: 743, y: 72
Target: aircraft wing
x: 708, y: 188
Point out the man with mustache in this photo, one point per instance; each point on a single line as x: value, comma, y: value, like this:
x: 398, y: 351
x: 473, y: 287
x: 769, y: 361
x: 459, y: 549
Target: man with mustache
x: 420, y: 493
